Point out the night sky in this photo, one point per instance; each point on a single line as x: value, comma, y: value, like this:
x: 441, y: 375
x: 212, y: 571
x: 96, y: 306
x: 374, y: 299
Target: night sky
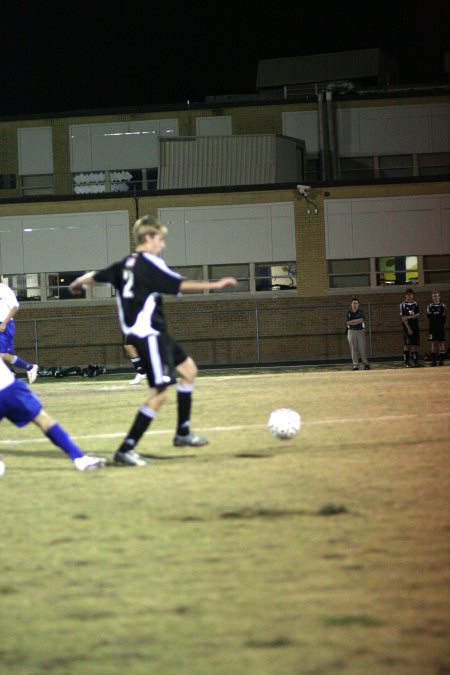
x: 91, y: 56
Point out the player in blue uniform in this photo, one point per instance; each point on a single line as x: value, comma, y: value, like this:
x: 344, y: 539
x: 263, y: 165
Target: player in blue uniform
x: 9, y: 307
x: 437, y: 314
x: 140, y: 280
x: 21, y: 406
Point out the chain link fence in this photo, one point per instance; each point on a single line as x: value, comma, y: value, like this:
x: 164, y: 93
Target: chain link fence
x: 292, y: 333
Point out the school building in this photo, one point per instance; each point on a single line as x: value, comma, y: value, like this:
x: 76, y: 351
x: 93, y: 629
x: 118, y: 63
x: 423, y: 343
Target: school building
x: 327, y: 183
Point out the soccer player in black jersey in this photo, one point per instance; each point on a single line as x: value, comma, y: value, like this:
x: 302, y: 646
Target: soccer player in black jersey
x: 409, y: 313
x: 437, y: 314
x: 140, y: 280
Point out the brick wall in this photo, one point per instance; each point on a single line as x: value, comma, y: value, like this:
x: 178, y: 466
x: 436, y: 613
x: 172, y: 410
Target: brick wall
x: 219, y: 332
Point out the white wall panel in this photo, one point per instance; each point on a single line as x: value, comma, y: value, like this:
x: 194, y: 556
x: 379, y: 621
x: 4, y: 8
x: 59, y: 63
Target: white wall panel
x: 118, y: 145
x: 176, y: 239
x: 361, y: 228
x: 349, y: 132
x: 303, y: 125
x: 378, y: 130
x: 226, y: 235
x: 117, y: 235
x: 393, y: 130
x: 440, y: 127
x: 283, y: 234
x: 220, y: 125
x: 142, y: 144
x: 80, y: 148
x: 108, y: 146
x: 63, y: 242
x: 11, y: 252
x: 338, y: 235
x: 35, y: 151
x: 445, y: 221
x: 230, y: 234
x: 69, y: 242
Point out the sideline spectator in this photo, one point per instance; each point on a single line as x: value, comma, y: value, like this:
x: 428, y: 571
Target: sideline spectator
x: 356, y: 337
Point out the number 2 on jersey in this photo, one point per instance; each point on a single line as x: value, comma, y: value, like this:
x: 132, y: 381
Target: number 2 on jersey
x: 128, y: 278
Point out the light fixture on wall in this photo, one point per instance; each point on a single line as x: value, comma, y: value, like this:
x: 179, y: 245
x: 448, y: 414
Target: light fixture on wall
x: 303, y: 191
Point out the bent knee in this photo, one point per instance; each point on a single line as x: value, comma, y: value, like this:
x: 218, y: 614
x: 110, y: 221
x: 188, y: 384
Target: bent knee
x: 188, y: 370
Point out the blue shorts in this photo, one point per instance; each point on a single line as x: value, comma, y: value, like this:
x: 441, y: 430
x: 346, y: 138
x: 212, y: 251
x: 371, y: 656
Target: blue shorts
x: 7, y: 339
x: 18, y: 404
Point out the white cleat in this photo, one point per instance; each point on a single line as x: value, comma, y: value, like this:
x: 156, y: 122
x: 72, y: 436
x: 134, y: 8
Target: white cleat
x: 32, y: 374
x: 138, y: 379
x: 88, y: 463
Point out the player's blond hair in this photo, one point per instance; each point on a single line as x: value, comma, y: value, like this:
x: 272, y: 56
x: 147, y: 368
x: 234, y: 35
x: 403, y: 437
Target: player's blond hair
x: 147, y: 225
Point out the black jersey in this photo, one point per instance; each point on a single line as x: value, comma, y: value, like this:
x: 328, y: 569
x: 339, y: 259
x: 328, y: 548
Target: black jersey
x: 139, y: 280
x: 351, y: 316
x: 409, y: 309
x: 436, y: 313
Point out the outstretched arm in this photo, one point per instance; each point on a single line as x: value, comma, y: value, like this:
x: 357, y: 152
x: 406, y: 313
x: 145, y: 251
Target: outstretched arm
x: 79, y: 284
x: 191, y: 285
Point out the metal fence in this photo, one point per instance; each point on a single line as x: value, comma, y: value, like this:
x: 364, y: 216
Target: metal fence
x: 288, y: 333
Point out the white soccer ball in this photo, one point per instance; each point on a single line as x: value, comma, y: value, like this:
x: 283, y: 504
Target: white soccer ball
x: 2, y: 467
x: 284, y: 423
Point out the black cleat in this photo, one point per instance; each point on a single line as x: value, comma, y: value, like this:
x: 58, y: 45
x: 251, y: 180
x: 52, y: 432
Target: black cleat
x: 130, y: 458
x: 190, y: 439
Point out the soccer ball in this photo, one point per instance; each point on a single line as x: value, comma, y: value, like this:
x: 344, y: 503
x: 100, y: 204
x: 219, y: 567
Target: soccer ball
x: 284, y: 423
x: 2, y: 467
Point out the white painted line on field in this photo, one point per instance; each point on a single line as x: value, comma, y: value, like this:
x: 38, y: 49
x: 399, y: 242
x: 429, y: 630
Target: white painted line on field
x: 121, y: 434
x: 380, y: 418
x: 240, y: 427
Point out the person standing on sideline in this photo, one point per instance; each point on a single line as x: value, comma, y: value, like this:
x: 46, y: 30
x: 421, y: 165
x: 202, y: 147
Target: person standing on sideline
x: 21, y: 406
x: 9, y: 307
x: 409, y: 313
x: 356, y: 337
x: 140, y: 279
x: 437, y: 314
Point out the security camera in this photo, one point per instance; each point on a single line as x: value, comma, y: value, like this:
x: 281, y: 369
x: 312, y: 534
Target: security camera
x: 303, y: 189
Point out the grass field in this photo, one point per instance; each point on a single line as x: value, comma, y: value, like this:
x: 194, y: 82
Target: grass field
x: 327, y: 554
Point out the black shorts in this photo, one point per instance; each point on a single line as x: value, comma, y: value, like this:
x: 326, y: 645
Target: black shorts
x: 160, y: 355
x: 413, y: 339
x: 437, y: 335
